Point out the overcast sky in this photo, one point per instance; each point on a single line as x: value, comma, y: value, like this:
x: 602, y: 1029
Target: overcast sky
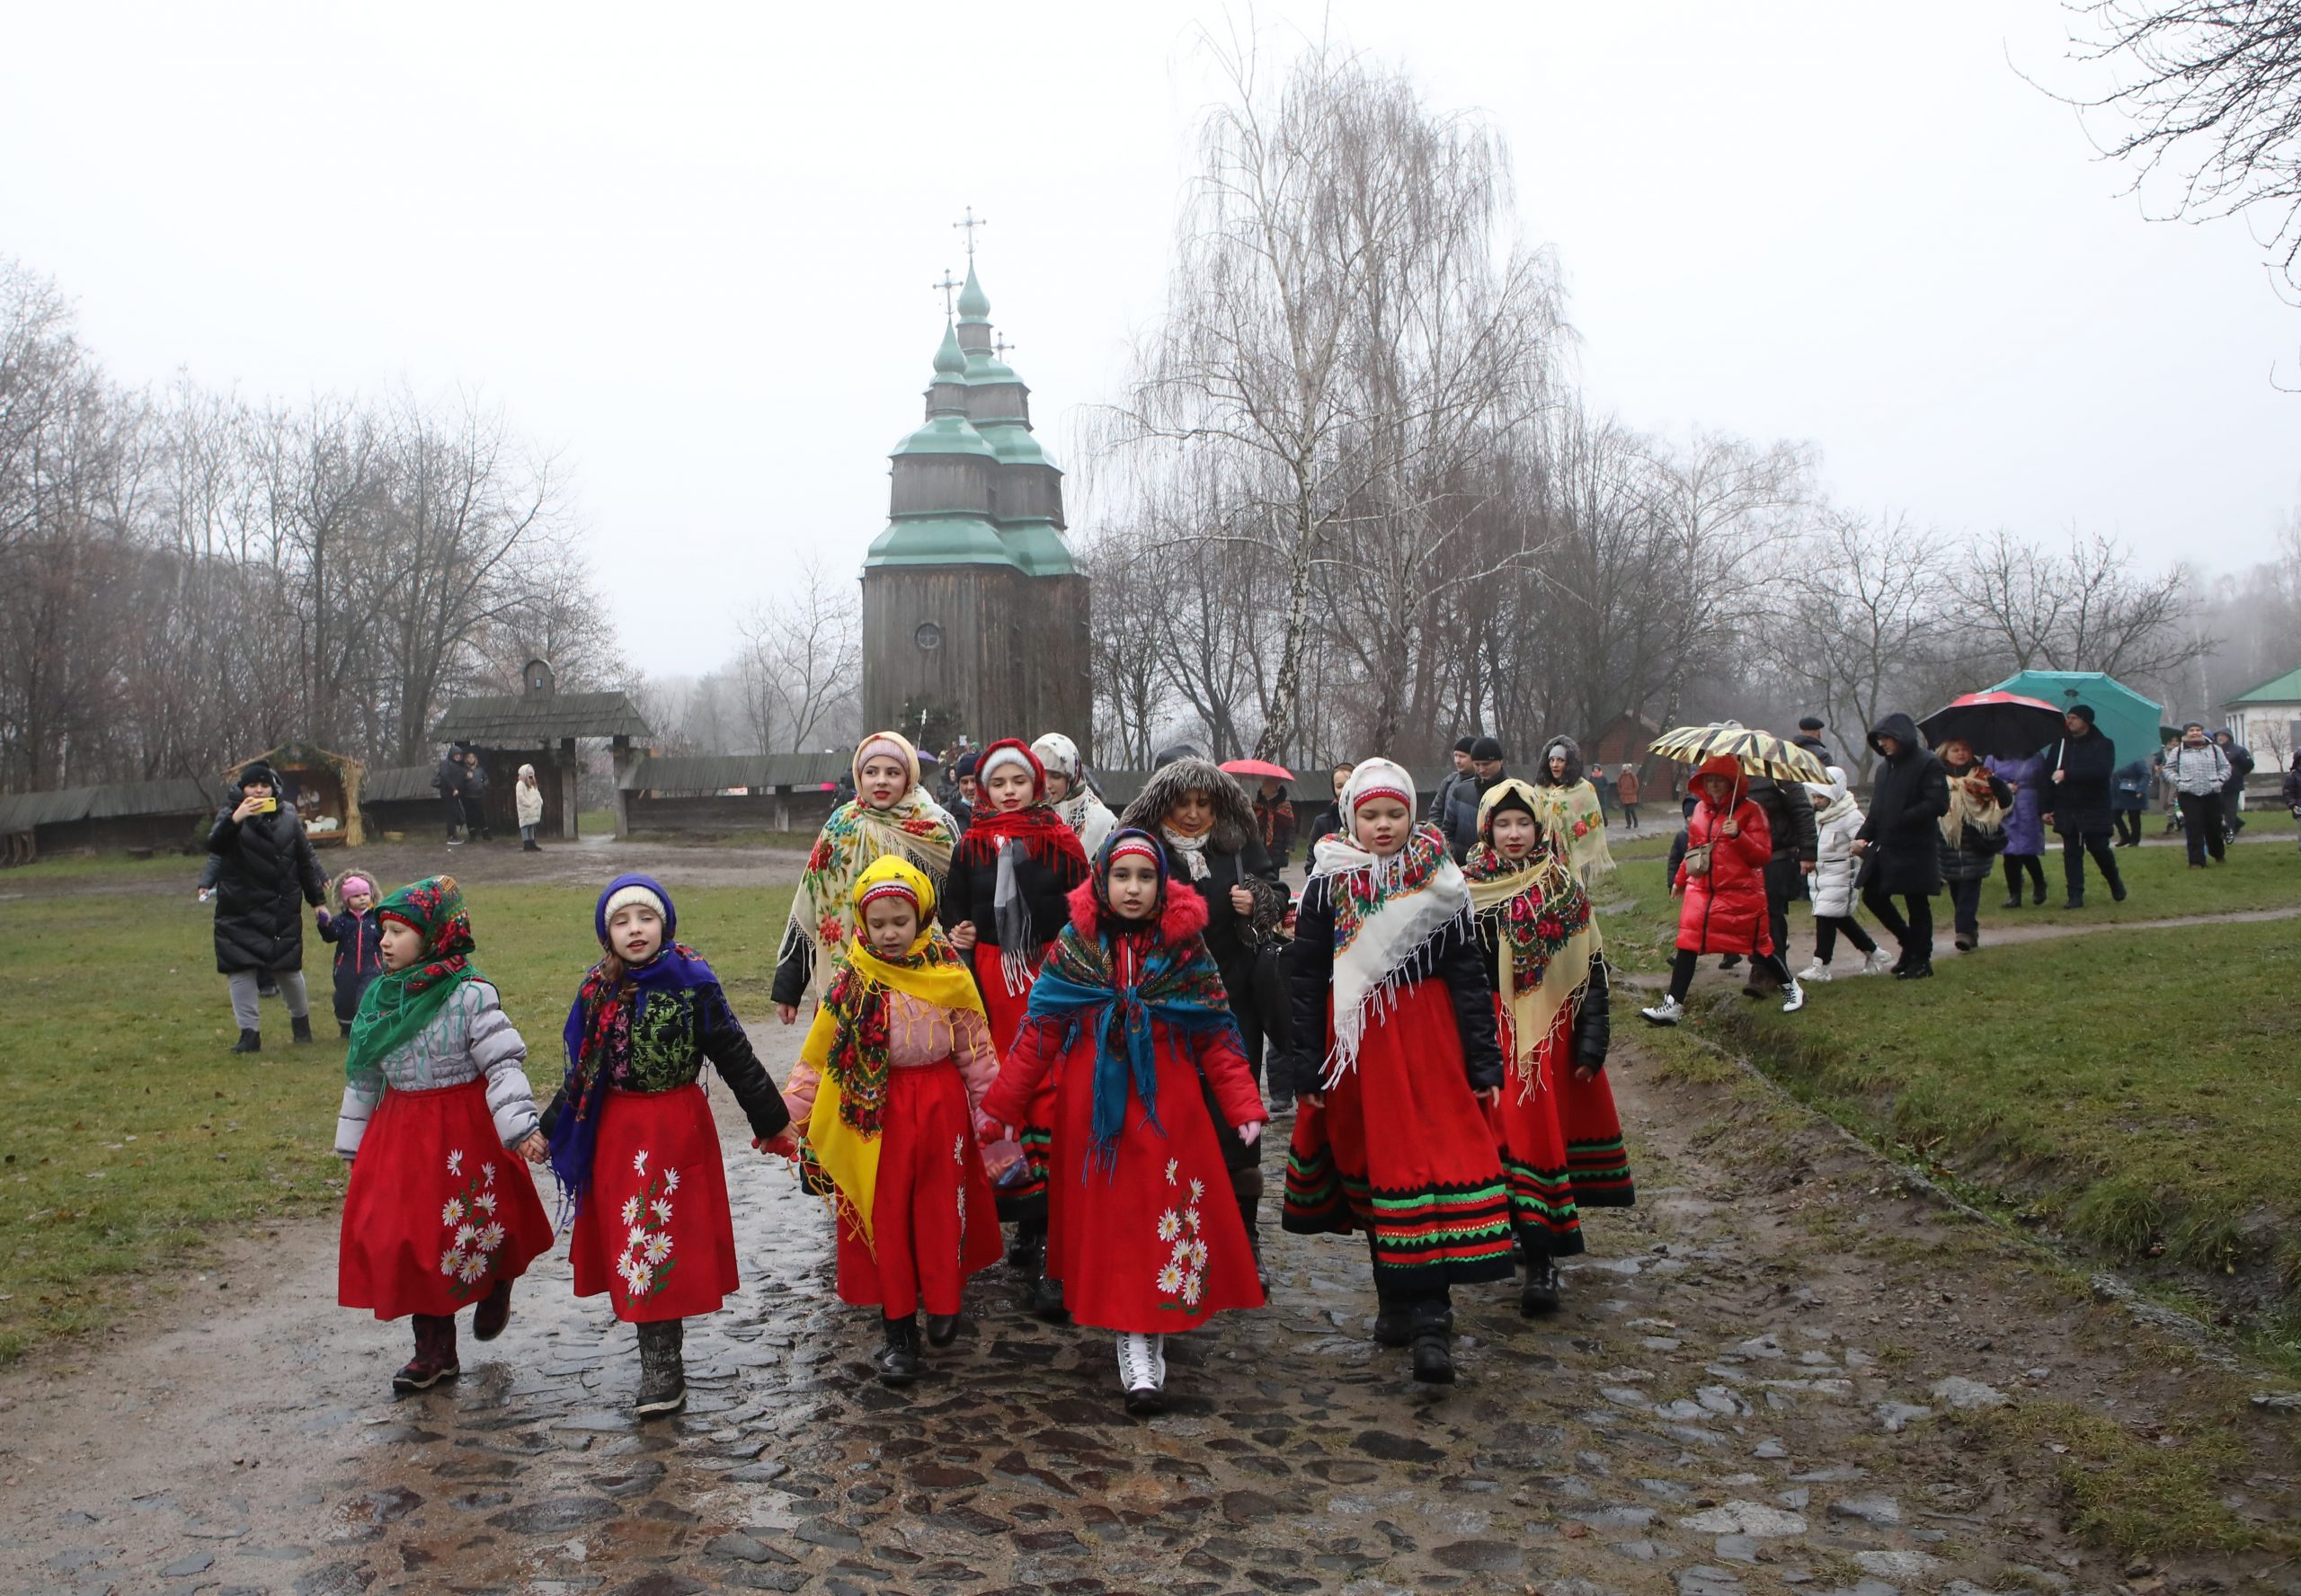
x: 691, y: 248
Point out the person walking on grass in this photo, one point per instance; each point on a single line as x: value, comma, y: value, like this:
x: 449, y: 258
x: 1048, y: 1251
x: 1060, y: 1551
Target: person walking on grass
x: 2232, y: 789
x: 1837, y: 819
x: 2025, y: 826
x: 1899, y: 845
x: 1973, y: 834
x: 1722, y: 881
x: 1626, y: 790
x: 1790, y: 817
x: 2128, y: 800
x: 2293, y: 789
x: 2198, y: 770
x: 2077, y: 802
x: 264, y: 863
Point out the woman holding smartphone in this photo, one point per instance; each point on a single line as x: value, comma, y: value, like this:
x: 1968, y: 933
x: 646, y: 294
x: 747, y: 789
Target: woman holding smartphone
x: 264, y: 863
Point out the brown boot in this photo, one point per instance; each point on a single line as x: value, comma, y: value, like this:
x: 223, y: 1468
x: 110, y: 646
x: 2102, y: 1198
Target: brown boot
x: 435, y: 1354
x: 494, y: 1312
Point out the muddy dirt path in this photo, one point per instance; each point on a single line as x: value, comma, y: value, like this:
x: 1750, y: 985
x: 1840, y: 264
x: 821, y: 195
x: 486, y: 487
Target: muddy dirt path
x: 1784, y: 1370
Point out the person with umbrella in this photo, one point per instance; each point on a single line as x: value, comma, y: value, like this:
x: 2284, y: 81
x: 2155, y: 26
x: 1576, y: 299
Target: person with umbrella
x: 1973, y: 834
x: 2077, y: 802
x: 1274, y: 809
x: 2005, y: 730
x: 1899, y: 845
x: 1722, y: 881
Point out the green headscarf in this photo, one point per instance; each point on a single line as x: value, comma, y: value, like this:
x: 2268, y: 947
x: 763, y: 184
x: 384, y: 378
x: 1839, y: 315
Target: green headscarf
x: 399, y: 1003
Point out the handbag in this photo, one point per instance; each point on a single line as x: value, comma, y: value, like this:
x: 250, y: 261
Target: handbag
x: 1697, y: 860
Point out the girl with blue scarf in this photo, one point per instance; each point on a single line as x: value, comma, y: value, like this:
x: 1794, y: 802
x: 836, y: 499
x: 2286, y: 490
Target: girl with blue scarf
x: 632, y: 1139
x: 1129, y: 1023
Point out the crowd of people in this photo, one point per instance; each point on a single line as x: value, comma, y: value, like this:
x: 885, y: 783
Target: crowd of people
x: 1044, y: 1032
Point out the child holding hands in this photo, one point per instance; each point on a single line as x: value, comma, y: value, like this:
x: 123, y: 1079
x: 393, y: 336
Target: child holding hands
x: 358, y: 936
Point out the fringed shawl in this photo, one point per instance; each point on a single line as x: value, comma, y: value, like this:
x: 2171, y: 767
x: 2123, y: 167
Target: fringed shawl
x: 1545, y: 933
x: 1391, y: 918
x: 913, y: 827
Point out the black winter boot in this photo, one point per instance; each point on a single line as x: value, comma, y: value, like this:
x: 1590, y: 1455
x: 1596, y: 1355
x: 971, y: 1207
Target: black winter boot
x: 1433, y: 1334
x: 1047, y: 1300
x: 343, y: 1027
x: 250, y: 1042
x: 663, y: 1372
x: 1539, y: 1294
x: 942, y: 1329
x: 494, y: 1313
x: 898, y: 1360
x: 299, y: 1030
x: 435, y: 1354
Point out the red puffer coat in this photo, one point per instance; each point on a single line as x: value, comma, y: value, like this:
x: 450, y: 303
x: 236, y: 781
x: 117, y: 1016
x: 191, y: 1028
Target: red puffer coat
x: 1725, y: 910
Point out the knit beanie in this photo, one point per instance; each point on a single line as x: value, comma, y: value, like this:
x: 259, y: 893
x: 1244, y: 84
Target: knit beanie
x: 1463, y: 745
x: 633, y: 893
x: 1486, y: 747
x: 257, y: 770
x: 2083, y: 712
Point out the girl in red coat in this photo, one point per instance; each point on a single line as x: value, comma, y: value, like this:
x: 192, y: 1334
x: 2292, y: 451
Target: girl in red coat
x: 1127, y: 1013
x: 1723, y: 882
x: 1393, y: 1054
x: 1003, y: 904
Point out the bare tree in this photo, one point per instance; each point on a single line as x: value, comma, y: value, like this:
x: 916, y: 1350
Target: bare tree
x: 800, y: 663
x: 2086, y: 608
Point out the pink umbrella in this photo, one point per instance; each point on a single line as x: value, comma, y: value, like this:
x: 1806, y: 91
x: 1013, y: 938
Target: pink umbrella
x: 1258, y: 768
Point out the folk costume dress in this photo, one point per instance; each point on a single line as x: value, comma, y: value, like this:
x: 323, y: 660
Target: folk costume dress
x: 1124, y: 1021
x: 1569, y: 810
x: 1394, y: 1023
x: 1011, y: 877
x: 437, y: 1212
x: 914, y: 828
x: 1543, y: 955
x: 632, y: 1137
x: 893, y: 1069
x: 1084, y: 813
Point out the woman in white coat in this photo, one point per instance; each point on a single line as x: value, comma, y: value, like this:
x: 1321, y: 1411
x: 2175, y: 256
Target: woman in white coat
x: 1837, y: 817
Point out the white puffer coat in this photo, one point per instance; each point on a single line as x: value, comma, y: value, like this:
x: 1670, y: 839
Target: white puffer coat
x: 1837, y: 817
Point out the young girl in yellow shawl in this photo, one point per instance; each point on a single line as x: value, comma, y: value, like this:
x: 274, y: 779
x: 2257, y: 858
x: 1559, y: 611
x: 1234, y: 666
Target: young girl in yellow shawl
x: 887, y: 1086
x: 1543, y: 954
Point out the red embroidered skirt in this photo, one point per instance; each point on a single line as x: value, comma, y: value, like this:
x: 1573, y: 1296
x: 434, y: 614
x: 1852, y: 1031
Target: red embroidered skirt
x: 436, y: 1211
x: 1534, y: 1144
x: 1403, y: 1151
x: 1153, y: 1242
x: 1004, y: 1011
x: 654, y: 1232
x: 933, y: 1218
x: 1595, y: 1155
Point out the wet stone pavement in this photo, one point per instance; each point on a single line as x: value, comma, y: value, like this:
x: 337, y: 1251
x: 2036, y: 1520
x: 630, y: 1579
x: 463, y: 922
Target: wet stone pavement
x: 1702, y: 1419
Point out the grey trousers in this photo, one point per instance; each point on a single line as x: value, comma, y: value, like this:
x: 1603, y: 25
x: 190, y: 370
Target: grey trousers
x: 244, y: 1008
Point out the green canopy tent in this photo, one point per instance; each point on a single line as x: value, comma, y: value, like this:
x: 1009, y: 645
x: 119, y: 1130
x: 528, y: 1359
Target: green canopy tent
x: 2134, y: 723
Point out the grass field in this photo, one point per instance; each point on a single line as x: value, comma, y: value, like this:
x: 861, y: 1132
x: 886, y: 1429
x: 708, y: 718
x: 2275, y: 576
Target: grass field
x: 128, y: 1133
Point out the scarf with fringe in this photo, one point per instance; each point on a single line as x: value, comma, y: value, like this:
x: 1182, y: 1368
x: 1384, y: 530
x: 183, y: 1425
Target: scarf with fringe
x: 1544, y: 931
x: 913, y: 827
x: 1389, y: 915
x: 399, y: 1003
x: 1003, y: 838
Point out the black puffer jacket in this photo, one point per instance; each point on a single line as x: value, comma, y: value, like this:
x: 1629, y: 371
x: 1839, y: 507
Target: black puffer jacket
x: 1234, y: 857
x: 1789, y: 816
x: 1454, y: 959
x: 1044, y: 880
x: 1975, y: 857
x: 265, y: 867
x: 1906, y: 805
x: 2080, y: 800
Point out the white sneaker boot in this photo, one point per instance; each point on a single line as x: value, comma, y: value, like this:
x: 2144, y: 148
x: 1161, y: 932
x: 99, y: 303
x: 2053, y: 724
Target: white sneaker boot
x: 1878, y: 963
x: 1668, y: 1012
x: 1815, y: 971
x: 1139, y: 1372
x: 1793, y: 998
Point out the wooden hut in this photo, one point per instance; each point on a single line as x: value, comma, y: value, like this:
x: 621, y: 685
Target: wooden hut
x: 324, y: 787
x: 540, y: 726
x: 138, y: 817
x: 707, y: 794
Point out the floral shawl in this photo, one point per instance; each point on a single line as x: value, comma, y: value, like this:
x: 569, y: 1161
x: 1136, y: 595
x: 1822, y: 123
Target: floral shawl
x: 399, y: 1003
x: 1571, y: 814
x: 1389, y: 915
x: 848, y: 1043
x: 913, y: 827
x: 1545, y: 935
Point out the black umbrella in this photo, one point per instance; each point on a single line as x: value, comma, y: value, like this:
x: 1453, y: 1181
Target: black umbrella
x: 2003, y: 725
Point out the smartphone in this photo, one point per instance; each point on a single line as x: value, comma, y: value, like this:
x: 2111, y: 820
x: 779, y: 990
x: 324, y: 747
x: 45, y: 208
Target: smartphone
x: 267, y: 806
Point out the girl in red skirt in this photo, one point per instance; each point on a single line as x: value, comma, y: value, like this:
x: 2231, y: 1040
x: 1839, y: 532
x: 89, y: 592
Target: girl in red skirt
x: 437, y: 1215
x: 1128, y: 1013
x: 893, y: 1070
x: 1393, y: 1055
x: 1542, y: 956
x: 632, y: 1137
x: 1004, y: 903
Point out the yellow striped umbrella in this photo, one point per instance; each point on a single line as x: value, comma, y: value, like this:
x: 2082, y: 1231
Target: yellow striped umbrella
x: 1762, y: 753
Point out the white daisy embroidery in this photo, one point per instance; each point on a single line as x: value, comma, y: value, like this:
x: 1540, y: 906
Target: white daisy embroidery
x: 639, y: 1163
x: 1194, y: 1288
x: 642, y: 1277
x: 1190, y: 1218
x: 487, y: 1173
x: 1170, y: 1279
x: 491, y: 1238
x: 959, y: 1149
x: 1198, y: 1189
x: 465, y: 1234
x: 1170, y: 1225
x: 1198, y: 1254
x: 452, y: 1213
x: 484, y: 1202
x: 449, y: 1260
x: 1180, y: 1257
x: 456, y: 1162
x: 474, y: 1267
x: 659, y: 1247
x: 631, y: 1211
x: 671, y: 1180
x: 663, y: 1207
x: 1174, y: 1166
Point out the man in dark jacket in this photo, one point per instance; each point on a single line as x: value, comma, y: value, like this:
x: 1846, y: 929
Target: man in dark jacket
x: 1900, y: 842
x: 1462, y: 771
x: 2232, y: 790
x: 1274, y: 813
x: 1796, y: 845
x: 475, y: 799
x: 1487, y: 770
x: 1809, y: 738
x: 2077, y: 802
x: 266, y: 863
x: 448, y: 779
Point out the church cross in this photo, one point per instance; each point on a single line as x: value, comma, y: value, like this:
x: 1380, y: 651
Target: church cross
x: 949, y: 285
x: 970, y: 224
x: 1001, y: 346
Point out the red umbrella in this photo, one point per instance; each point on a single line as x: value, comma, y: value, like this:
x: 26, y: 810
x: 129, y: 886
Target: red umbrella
x: 1258, y: 768
x: 2004, y: 725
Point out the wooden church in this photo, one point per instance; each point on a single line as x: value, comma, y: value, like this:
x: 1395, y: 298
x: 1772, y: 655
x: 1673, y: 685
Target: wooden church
x: 973, y: 614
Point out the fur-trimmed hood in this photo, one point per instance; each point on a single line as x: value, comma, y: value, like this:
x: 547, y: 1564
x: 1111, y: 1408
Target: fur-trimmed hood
x: 1234, y: 811
x: 1573, y: 751
x: 1181, y: 918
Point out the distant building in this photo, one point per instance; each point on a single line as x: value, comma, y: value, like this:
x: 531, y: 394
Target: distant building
x: 971, y: 607
x: 2267, y: 719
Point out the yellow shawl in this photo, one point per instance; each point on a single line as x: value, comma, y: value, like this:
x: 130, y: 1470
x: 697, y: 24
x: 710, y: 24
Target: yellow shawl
x: 1510, y: 900
x: 849, y: 1042
x: 1575, y: 817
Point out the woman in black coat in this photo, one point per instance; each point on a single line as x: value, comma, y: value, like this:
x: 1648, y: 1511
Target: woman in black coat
x: 264, y: 864
x: 2077, y: 802
x: 1208, y: 828
x: 1900, y: 842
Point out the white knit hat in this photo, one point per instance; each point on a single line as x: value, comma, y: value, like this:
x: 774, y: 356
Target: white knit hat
x: 633, y: 893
